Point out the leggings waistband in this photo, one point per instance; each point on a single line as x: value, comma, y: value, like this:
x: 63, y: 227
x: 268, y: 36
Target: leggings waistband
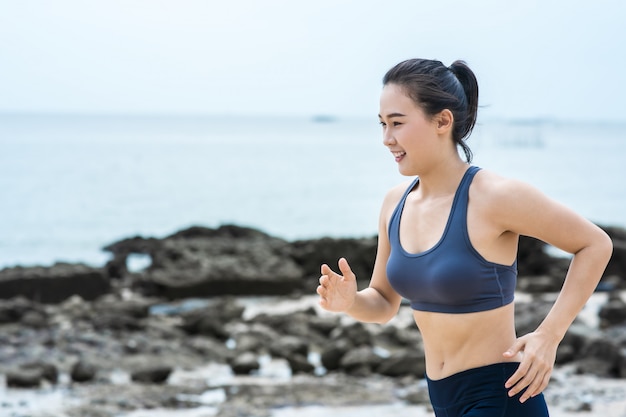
x: 464, y: 384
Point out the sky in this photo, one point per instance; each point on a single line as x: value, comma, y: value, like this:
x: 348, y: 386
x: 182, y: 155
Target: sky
x: 533, y: 59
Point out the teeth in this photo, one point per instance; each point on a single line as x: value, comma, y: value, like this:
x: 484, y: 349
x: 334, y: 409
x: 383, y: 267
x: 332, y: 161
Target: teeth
x: 398, y: 154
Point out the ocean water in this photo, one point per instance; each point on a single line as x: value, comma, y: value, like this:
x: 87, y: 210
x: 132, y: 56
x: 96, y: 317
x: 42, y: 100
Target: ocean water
x: 70, y: 185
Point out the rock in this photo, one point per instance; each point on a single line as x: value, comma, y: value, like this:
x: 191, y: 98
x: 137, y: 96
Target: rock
x: 617, y: 263
x: 12, y: 310
x: 311, y: 254
x: 333, y: 352
x: 24, y: 378
x: 538, y: 284
x: 83, y: 371
x: 417, y: 394
x: 402, y: 363
x: 53, y: 284
x: 613, y: 312
x: 600, y: 357
x: 288, y: 346
x: 48, y: 371
x: 299, y: 364
x: 156, y: 374
x: 35, y: 319
x: 245, y: 363
x: 360, y: 361
x: 204, y: 262
x: 211, y: 320
x: 355, y: 332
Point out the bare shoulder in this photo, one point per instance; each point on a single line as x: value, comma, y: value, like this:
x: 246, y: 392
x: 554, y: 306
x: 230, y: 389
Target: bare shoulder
x: 394, y: 195
x: 392, y: 198
x: 502, y: 198
x: 493, y: 188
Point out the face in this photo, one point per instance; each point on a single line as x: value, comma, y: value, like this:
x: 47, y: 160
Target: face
x: 411, y: 136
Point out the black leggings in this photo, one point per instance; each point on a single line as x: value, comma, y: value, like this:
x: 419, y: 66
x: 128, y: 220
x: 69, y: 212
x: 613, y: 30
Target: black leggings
x: 480, y: 392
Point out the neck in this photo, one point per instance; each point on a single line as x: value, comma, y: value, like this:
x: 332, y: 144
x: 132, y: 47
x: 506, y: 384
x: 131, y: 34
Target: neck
x: 443, y: 179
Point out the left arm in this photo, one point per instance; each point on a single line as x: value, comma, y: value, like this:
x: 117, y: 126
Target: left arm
x: 526, y: 211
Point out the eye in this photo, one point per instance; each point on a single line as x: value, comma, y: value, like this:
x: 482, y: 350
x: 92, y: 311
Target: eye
x: 383, y: 124
x: 397, y: 123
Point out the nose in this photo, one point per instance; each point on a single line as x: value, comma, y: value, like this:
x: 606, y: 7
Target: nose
x: 388, y: 139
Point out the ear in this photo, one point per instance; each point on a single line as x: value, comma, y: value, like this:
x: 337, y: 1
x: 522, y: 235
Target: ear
x: 445, y: 121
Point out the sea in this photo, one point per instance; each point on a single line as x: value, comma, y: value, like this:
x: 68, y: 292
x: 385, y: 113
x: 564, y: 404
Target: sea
x: 72, y: 184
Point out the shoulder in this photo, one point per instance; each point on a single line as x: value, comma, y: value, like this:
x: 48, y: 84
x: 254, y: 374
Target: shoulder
x: 392, y: 198
x: 394, y: 195
x: 507, y: 201
x: 490, y: 185
x: 497, y: 195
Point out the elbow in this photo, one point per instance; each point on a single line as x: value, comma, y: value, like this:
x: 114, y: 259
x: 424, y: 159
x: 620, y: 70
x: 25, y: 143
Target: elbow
x: 605, y: 244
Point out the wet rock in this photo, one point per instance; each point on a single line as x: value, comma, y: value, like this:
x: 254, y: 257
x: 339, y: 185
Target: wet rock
x: 616, y: 269
x: 299, y: 364
x: 613, y: 312
x: 212, y: 319
x: 287, y: 346
x: 83, y: 371
x: 538, y: 284
x: 24, y: 378
x: 311, y: 254
x: 600, y: 357
x: 155, y: 374
x: 48, y: 371
x: 356, y: 332
x: 360, y: 361
x: 245, y: 363
x: 402, y: 363
x: 12, y: 310
x: 53, y: 284
x: 333, y: 352
x: 417, y: 394
x: 204, y: 262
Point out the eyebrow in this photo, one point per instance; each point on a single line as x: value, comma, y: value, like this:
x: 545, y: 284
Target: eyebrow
x: 390, y: 115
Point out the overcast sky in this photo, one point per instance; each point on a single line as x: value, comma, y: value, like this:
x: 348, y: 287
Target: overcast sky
x: 534, y: 59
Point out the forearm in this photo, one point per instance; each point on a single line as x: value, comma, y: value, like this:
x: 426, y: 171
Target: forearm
x: 370, y: 306
x: 584, y: 273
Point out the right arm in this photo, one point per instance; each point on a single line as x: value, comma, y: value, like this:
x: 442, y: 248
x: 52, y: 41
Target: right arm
x: 378, y: 303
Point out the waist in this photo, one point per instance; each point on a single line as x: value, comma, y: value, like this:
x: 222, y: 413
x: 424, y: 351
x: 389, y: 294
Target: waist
x: 470, y: 383
x: 456, y: 342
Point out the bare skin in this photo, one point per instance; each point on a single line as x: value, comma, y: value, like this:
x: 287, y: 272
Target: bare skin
x: 499, y: 211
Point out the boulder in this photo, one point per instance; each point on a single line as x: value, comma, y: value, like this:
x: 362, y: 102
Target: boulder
x: 311, y: 254
x: 204, y: 262
x: 53, y: 284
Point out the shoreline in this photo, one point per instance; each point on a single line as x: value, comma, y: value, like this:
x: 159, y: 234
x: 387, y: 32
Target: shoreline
x: 225, y: 322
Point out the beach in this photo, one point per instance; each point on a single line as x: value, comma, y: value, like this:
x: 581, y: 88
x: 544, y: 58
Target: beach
x: 177, y: 338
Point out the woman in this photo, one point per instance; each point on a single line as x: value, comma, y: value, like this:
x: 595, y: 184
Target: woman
x: 448, y: 243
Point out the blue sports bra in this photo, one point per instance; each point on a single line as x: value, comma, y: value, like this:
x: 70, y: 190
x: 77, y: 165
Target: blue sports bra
x: 450, y: 277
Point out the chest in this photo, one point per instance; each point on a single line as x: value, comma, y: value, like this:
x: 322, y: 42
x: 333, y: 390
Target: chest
x: 423, y: 223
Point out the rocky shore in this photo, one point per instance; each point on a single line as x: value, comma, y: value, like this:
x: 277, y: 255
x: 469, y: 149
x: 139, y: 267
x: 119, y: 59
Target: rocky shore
x: 224, y: 321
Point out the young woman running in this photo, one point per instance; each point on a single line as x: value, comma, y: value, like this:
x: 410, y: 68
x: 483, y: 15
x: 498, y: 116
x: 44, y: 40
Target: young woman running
x: 448, y: 242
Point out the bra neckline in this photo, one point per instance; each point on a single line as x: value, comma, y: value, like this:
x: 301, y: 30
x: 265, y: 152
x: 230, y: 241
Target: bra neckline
x: 448, y: 221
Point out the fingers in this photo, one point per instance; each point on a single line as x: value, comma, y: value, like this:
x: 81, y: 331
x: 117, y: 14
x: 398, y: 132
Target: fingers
x: 531, y: 378
x: 517, y: 347
x: 345, y: 269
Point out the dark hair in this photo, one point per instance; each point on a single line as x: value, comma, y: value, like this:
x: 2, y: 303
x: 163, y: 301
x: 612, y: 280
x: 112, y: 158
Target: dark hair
x: 435, y: 87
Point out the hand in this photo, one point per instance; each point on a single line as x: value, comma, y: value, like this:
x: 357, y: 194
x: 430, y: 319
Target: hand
x: 533, y: 374
x: 337, y: 292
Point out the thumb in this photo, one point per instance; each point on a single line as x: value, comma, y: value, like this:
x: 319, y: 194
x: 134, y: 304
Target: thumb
x: 345, y: 269
x: 517, y: 347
